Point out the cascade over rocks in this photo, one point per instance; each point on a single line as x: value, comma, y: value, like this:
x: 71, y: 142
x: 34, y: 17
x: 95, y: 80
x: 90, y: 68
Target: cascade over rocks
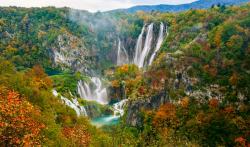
x: 80, y: 110
x: 122, y: 55
x: 147, y: 49
x: 93, y: 91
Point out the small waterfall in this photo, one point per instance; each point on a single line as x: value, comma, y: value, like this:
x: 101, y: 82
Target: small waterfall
x: 122, y: 55
x: 159, y: 42
x: 119, y: 108
x: 141, y: 54
x: 80, y: 110
x: 167, y: 30
x: 93, y: 91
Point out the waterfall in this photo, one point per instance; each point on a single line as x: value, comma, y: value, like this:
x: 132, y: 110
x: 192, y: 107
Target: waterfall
x: 119, y: 108
x: 159, y: 42
x: 122, y: 55
x: 80, y: 110
x: 93, y: 91
x: 167, y: 30
x: 138, y: 48
x: 141, y: 54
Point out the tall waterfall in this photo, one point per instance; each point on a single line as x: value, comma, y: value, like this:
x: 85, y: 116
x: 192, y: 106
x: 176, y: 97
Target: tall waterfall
x: 93, y: 91
x: 159, y: 42
x: 141, y: 54
x: 80, y: 110
x: 122, y: 55
x: 138, y: 48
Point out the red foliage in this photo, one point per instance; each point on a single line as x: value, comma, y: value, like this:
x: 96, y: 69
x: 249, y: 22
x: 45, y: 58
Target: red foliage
x: 18, y: 125
x: 165, y: 116
x: 78, y: 135
x: 213, y: 103
x: 229, y: 110
x: 210, y: 70
x: 242, y: 141
x: 157, y: 78
x: 39, y: 78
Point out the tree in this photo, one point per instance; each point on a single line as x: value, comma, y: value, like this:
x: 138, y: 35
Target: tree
x: 39, y: 78
x: 77, y: 135
x: 18, y: 120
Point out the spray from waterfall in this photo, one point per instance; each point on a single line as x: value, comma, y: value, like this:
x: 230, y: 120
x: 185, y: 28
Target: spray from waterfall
x: 122, y: 55
x: 93, y: 91
x: 159, y: 42
x: 141, y: 54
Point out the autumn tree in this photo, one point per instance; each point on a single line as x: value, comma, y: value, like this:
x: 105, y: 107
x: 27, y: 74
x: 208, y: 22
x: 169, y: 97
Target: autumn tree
x: 77, y: 135
x: 18, y: 121
x: 39, y: 78
x: 165, y: 118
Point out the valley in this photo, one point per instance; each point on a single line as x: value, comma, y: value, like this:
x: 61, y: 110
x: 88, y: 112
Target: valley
x: 73, y: 78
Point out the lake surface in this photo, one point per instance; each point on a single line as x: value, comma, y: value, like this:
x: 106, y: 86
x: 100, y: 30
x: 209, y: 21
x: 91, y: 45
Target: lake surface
x: 105, y: 121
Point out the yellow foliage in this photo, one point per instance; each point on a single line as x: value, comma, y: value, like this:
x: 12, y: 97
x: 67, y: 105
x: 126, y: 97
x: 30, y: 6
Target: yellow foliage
x: 185, y: 102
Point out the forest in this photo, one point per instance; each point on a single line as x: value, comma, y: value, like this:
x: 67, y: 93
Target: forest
x: 115, y: 79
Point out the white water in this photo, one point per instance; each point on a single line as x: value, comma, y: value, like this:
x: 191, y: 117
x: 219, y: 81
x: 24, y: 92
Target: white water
x: 141, y: 54
x: 122, y: 55
x: 138, y: 48
x: 119, y: 108
x: 93, y: 91
x: 167, y: 30
x: 159, y: 42
x: 80, y: 110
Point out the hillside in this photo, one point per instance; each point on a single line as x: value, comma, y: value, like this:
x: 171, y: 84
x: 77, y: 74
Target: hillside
x: 200, y: 4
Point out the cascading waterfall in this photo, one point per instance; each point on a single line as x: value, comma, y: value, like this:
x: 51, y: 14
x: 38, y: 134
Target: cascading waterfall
x: 141, y: 54
x: 93, y: 91
x: 122, y: 55
x: 80, y: 110
x: 159, y: 42
x: 138, y: 48
x: 119, y: 108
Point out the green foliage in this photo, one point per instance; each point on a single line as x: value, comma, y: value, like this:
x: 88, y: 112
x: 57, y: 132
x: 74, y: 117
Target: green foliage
x: 67, y: 82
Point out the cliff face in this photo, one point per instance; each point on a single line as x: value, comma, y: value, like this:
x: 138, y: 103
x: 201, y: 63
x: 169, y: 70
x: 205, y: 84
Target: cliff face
x: 70, y: 53
x: 133, y: 117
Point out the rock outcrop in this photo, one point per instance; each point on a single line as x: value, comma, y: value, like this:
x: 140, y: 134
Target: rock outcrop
x: 134, y: 108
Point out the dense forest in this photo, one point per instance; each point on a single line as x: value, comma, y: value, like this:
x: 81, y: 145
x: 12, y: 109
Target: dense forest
x: 195, y: 92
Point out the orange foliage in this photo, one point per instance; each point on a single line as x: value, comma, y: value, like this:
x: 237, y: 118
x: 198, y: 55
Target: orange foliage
x: 18, y: 126
x: 78, y: 135
x: 233, y: 79
x: 229, y: 110
x: 157, y: 78
x: 213, y: 103
x: 185, y: 102
x: 210, y: 70
x: 40, y: 79
x: 165, y: 116
x: 115, y: 83
x: 241, y: 141
x: 217, y: 37
x: 124, y: 68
